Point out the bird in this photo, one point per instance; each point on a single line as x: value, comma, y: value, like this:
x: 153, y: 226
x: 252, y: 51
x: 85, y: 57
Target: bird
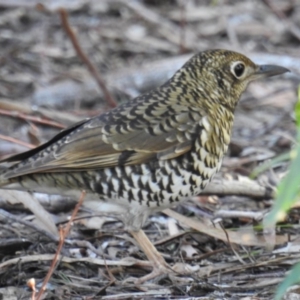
x: 149, y: 153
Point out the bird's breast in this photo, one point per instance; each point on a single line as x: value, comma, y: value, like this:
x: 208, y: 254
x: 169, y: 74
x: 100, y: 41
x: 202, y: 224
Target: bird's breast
x: 162, y: 183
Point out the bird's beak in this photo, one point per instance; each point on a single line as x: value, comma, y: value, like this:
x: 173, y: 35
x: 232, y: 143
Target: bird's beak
x: 263, y: 71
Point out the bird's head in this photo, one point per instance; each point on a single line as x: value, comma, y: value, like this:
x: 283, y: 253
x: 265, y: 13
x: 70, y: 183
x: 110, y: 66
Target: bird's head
x: 221, y: 76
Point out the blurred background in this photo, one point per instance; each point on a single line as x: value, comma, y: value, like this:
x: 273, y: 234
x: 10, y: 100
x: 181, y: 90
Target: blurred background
x: 136, y: 45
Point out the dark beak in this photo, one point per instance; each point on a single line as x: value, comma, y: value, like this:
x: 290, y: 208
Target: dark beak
x: 269, y: 70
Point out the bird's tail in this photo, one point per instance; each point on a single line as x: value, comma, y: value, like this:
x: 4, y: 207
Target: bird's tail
x: 3, y: 181
x: 40, y: 182
x: 6, y: 178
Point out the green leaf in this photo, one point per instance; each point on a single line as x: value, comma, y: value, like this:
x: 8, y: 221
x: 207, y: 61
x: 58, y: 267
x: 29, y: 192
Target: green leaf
x: 291, y: 279
x: 297, y: 111
x: 288, y: 190
x: 270, y: 164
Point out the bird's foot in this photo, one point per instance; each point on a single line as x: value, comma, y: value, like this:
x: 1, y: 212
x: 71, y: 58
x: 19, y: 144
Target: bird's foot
x: 159, y: 271
x: 160, y: 267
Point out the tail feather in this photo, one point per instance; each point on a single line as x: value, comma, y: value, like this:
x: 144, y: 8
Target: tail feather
x: 6, y: 180
x: 9, y: 176
x: 3, y: 181
x: 41, y: 182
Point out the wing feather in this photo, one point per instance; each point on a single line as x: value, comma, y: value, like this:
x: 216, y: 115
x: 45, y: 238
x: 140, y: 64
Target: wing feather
x: 102, y: 141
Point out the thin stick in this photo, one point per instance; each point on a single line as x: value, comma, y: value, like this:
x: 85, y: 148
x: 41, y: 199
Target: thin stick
x: 63, y: 232
x: 282, y: 16
x: 64, y: 19
x: 15, y: 141
x: 14, y: 218
x: 25, y: 117
x: 182, y: 27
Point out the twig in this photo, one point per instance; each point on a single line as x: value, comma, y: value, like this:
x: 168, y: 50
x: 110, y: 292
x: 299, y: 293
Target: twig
x: 239, y: 214
x: 53, y: 264
x: 294, y: 30
x: 182, y: 26
x: 31, y: 118
x: 28, y: 224
x: 232, y: 33
x: 277, y: 12
x: 169, y: 30
x: 85, y: 59
x: 13, y: 140
x: 63, y: 232
x: 248, y: 239
x: 231, y: 246
x: 250, y: 188
x: 85, y: 244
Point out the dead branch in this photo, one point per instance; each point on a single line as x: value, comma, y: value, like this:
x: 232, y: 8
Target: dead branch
x: 12, y: 217
x: 258, y: 216
x: 248, y: 188
x: 167, y: 29
x: 249, y: 238
x: 291, y: 27
x: 85, y: 59
x: 33, y: 119
x: 63, y: 232
x: 16, y: 141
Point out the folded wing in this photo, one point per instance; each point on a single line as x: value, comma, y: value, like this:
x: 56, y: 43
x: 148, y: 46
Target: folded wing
x: 117, y: 138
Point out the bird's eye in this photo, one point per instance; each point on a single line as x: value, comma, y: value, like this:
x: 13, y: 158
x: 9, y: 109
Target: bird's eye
x: 239, y: 69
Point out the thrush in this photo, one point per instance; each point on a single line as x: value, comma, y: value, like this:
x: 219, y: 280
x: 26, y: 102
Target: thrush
x: 148, y: 153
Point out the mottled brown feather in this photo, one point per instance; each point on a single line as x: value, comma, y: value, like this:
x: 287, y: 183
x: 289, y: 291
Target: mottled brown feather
x: 97, y: 144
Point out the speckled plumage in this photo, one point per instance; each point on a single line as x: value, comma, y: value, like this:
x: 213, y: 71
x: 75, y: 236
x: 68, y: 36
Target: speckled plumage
x: 152, y: 151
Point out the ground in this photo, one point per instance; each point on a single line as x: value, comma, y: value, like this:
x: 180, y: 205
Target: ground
x: 135, y: 46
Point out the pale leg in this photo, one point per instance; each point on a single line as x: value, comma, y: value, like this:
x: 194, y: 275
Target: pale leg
x: 160, y: 266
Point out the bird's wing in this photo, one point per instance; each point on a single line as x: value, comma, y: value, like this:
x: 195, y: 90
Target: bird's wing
x: 111, y: 140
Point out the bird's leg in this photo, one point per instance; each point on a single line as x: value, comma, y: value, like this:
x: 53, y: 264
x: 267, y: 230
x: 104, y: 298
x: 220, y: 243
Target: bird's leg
x: 160, y: 267
x: 148, y: 248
